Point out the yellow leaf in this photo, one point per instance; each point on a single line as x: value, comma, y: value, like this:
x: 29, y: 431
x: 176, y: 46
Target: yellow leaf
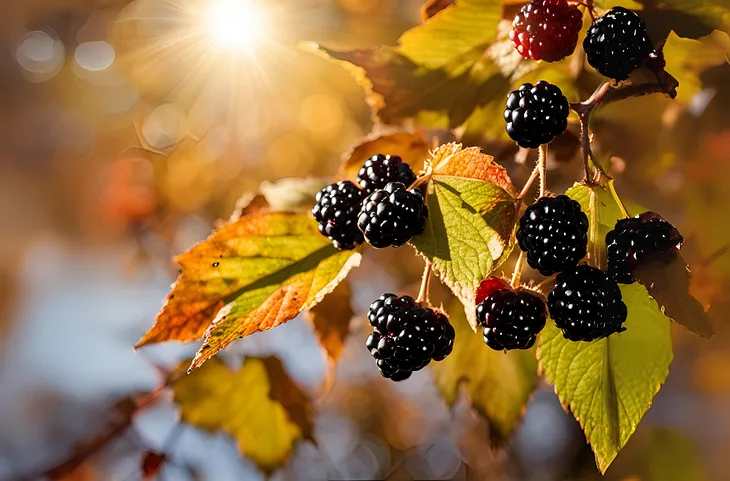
x: 258, y: 405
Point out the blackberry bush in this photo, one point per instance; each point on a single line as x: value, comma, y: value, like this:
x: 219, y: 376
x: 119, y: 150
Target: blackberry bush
x: 336, y: 214
x: 511, y: 319
x: 554, y: 233
x: 379, y: 170
x: 392, y: 216
x: 546, y: 30
x: 407, y: 337
x: 617, y: 43
x: 586, y: 304
x: 536, y: 114
x: 638, y: 239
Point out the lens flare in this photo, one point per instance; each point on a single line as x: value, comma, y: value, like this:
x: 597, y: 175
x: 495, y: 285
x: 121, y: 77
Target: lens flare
x: 238, y: 24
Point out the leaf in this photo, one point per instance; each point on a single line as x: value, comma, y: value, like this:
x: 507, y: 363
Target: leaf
x: 452, y: 32
x: 251, y: 275
x: 607, y: 212
x: 470, y: 162
x: 432, y: 7
x: 688, y: 18
x: 292, y: 193
x: 469, y: 225
x: 609, y: 384
x: 331, y: 320
x: 259, y: 405
x: 668, y: 282
x: 498, y: 384
x: 409, y: 146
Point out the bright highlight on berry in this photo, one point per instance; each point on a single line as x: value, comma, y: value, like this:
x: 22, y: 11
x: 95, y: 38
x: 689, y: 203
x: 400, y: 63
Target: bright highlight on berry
x: 237, y: 24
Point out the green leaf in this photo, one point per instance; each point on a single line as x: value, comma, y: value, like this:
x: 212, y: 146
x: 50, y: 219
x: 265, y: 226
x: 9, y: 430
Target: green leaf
x: 688, y: 18
x: 604, y: 216
x: 609, y: 384
x: 258, y: 405
x: 251, y: 275
x: 470, y: 222
x: 452, y: 32
x: 497, y: 384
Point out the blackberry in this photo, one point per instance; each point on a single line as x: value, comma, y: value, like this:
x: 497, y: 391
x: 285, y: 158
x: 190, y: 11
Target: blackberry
x: 392, y: 216
x: 546, y: 30
x: 586, y: 304
x: 381, y: 169
x: 635, y: 240
x: 511, y: 319
x: 536, y: 114
x: 554, y: 233
x: 407, y: 337
x: 336, y: 212
x: 617, y: 43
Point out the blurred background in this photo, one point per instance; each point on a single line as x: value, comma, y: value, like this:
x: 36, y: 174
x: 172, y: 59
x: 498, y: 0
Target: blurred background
x: 127, y: 129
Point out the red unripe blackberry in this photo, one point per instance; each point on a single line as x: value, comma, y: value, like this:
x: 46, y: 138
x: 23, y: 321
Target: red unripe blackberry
x: 392, y: 216
x: 511, y: 319
x: 586, y: 304
x: 336, y: 213
x: 617, y: 43
x: 489, y: 285
x: 554, y: 233
x: 638, y: 239
x: 407, y: 337
x: 536, y: 114
x: 379, y: 170
x: 546, y: 30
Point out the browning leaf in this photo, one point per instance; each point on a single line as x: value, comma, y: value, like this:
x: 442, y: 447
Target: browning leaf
x: 452, y: 159
x: 251, y: 275
x: 432, y: 7
x: 331, y: 320
x: 259, y: 405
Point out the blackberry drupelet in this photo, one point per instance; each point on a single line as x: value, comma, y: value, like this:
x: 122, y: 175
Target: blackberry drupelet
x: 379, y: 170
x: 511, y: 319
x: 638, y: 239
x: 407, y: 337
x: 554, y: 233
x: 546, y: 30
x: 586, y: 304
x: 617, y: 43
x: 392, y: 216
x: 336, y: 213
x: 536, y: 114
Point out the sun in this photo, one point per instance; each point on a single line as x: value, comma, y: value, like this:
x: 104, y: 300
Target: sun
x: 237, y: 24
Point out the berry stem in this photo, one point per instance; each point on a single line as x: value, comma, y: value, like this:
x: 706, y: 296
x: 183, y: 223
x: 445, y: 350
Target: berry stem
x: 541, y: 161
x: 425, y: 284
x: 593, y: 247
x: 517, y: 272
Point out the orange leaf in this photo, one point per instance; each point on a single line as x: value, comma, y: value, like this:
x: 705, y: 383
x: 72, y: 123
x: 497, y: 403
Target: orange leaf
x: 451, y: 159
x: 410, y: 146
x: 331, y: 320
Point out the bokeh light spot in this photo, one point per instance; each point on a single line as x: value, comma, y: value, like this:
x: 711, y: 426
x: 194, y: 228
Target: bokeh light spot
x: 95, y: 56
x: 40, y: 55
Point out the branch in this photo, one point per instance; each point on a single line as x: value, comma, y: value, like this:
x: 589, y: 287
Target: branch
x: 131, y: 406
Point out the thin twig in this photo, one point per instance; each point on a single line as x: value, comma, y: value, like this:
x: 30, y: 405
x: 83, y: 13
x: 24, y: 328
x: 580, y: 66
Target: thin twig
x: 528, y: 184
x: 541, y: 161
x: 425, y: 284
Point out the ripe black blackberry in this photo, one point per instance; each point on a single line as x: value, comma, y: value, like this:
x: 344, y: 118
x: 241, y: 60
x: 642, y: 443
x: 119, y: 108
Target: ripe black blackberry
x: 511, y: 319
x: 617, y: 43
x: 336, y: 212
x: 407, y: 337
x: 536, y: 114
x: 554, y: 233
x: 586, y: 304
x: 546, y: 30
x: 379, y: 170
x: 392, y: 216
x: 635, y: 240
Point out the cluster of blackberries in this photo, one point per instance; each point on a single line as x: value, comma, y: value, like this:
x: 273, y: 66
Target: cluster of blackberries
x: 616, y: 45
x: 381, y: 211
x: 406, y: 336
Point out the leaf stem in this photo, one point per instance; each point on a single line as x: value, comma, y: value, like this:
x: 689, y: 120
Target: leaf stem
x: 541, y: 161
x: 614, y: 194
x: 592, y: 234
x: 528, y: 184
x: 517, y: 272
x: 425, y: 284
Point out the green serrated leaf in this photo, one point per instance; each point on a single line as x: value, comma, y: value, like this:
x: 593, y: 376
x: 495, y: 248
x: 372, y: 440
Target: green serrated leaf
x: 498, y: 384
x: 452, y: 32
x: 609, y: 384
x: 468, y: 229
